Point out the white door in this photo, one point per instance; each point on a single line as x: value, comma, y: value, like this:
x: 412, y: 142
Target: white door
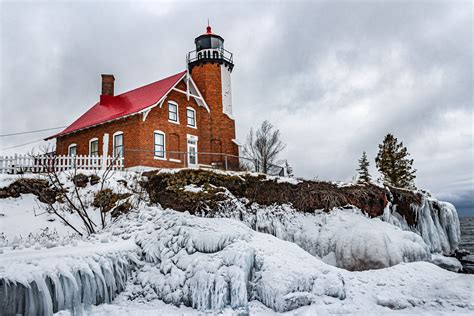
x: 192, y: 153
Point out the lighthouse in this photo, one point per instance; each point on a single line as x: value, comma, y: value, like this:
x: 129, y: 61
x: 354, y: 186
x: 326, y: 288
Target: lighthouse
x: 210, y: 66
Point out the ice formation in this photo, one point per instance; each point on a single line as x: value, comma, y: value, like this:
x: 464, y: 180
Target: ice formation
x: 40, y: 282
x: 345, y: 238
x: 438, y: 223
x: 213, y: 263
x: 448, y: 263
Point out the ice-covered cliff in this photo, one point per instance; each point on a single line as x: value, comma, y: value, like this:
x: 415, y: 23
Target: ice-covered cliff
x: 351, y: 226
x: 214, y: 241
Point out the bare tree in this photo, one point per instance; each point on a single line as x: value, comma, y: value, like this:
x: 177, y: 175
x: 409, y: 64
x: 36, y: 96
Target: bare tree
x: 71, y: 199
x: 264, y: 146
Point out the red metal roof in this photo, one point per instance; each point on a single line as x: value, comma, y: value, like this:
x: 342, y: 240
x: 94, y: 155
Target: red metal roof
x: 123, y: 104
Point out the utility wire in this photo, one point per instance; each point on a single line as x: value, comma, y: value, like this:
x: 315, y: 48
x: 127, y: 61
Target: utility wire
x: 29, y: 132
x: 22, y: 144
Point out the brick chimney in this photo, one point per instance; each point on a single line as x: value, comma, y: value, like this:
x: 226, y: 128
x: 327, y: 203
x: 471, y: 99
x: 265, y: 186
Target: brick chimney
x: 107, y: 88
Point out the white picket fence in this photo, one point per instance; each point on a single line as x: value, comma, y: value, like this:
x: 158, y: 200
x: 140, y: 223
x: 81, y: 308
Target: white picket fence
x: 37, y: 164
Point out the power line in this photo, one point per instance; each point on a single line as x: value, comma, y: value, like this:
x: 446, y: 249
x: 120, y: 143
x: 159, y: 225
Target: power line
x: 22, y: 144
x: 29, y: 132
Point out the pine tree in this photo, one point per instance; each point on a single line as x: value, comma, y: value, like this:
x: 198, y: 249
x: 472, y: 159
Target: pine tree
x: 289, y: 169
x: 393, y: 163
x: 364, y: 175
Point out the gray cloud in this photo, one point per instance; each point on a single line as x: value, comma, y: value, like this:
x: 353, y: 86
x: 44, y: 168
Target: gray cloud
x: 334, y: 76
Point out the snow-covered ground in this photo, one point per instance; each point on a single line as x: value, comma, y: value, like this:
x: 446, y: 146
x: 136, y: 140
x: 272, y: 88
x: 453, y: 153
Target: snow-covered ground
x: 154, y: 261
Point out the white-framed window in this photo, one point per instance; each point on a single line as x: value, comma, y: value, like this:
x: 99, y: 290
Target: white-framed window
x: 118, y: 144
x: 159, y: 145
x: 94, y: 147
x: 71, y: 150
x: 173, y: 112
x: 191, y: 116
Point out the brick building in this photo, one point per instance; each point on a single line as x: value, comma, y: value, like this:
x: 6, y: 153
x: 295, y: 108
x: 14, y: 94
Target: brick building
x: 183, y: 120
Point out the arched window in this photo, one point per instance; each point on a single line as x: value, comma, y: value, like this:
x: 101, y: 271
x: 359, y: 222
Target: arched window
x: 71, y: 150
x: 94, y: 147
x: 118, y: 144
x: 159, y: 145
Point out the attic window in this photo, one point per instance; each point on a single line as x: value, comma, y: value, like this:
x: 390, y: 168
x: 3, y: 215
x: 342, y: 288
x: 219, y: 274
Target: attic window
x: 173, y: 112
x: 191, y: 117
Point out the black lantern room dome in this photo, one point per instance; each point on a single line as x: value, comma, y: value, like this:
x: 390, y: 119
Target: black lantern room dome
x: 209, y: 49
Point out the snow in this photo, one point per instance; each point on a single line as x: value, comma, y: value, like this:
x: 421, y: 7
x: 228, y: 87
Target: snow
x: 192, y: 188
x: 24, y: 215
x: 20, y: 217
x: 448, y: 263
x: 257, y: 260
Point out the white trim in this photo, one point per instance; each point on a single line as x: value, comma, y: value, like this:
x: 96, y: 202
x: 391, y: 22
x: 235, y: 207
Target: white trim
x: 113, y: 143
x: 195, y: 145
x: 90, y: 143
x: 195, y: 118
x: 69, y: 148
x: 164, y: 145
x: 160, y: 101
x: 201, y: 98
x: 174, y: 160
x: 105, y: 150
x: 235, y: 141
x: 177, y: 111
x: 190, y: 94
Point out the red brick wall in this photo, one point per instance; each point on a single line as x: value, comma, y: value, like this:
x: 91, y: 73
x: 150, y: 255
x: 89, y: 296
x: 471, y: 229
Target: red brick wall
x: 222, y: 128
x: 138, y: 134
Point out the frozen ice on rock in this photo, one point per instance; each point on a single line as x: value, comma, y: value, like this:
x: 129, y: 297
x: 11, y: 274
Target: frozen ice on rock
x: 211, y: 263
x: 53, y: 279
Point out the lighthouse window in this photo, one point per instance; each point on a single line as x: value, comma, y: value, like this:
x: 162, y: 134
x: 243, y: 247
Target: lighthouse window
x: 216, y: 43
x: 191, y: 117
x: 172, y: 112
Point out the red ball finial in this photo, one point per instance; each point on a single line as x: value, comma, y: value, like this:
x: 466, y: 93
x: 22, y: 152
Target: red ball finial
x: 208, y: 29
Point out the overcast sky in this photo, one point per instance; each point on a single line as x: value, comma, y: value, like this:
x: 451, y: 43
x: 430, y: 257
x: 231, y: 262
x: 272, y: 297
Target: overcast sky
x: 333, y: 76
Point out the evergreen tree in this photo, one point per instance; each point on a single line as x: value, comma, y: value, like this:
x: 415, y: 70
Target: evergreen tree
x: 393, y: 163
x: 289, y: 169
x: 364, y: 175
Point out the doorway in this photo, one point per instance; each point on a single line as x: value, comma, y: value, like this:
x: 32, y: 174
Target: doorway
x: 192, y: 151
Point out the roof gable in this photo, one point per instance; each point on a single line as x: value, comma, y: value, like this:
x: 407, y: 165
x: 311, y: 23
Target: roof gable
x: 128, y: 103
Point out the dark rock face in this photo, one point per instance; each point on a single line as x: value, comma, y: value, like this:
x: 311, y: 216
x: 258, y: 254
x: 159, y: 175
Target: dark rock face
x: 80, y: 180
x: 167, y: 189
x: 94, y: 179
x: 106, y: 200
x: 38, y: 187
